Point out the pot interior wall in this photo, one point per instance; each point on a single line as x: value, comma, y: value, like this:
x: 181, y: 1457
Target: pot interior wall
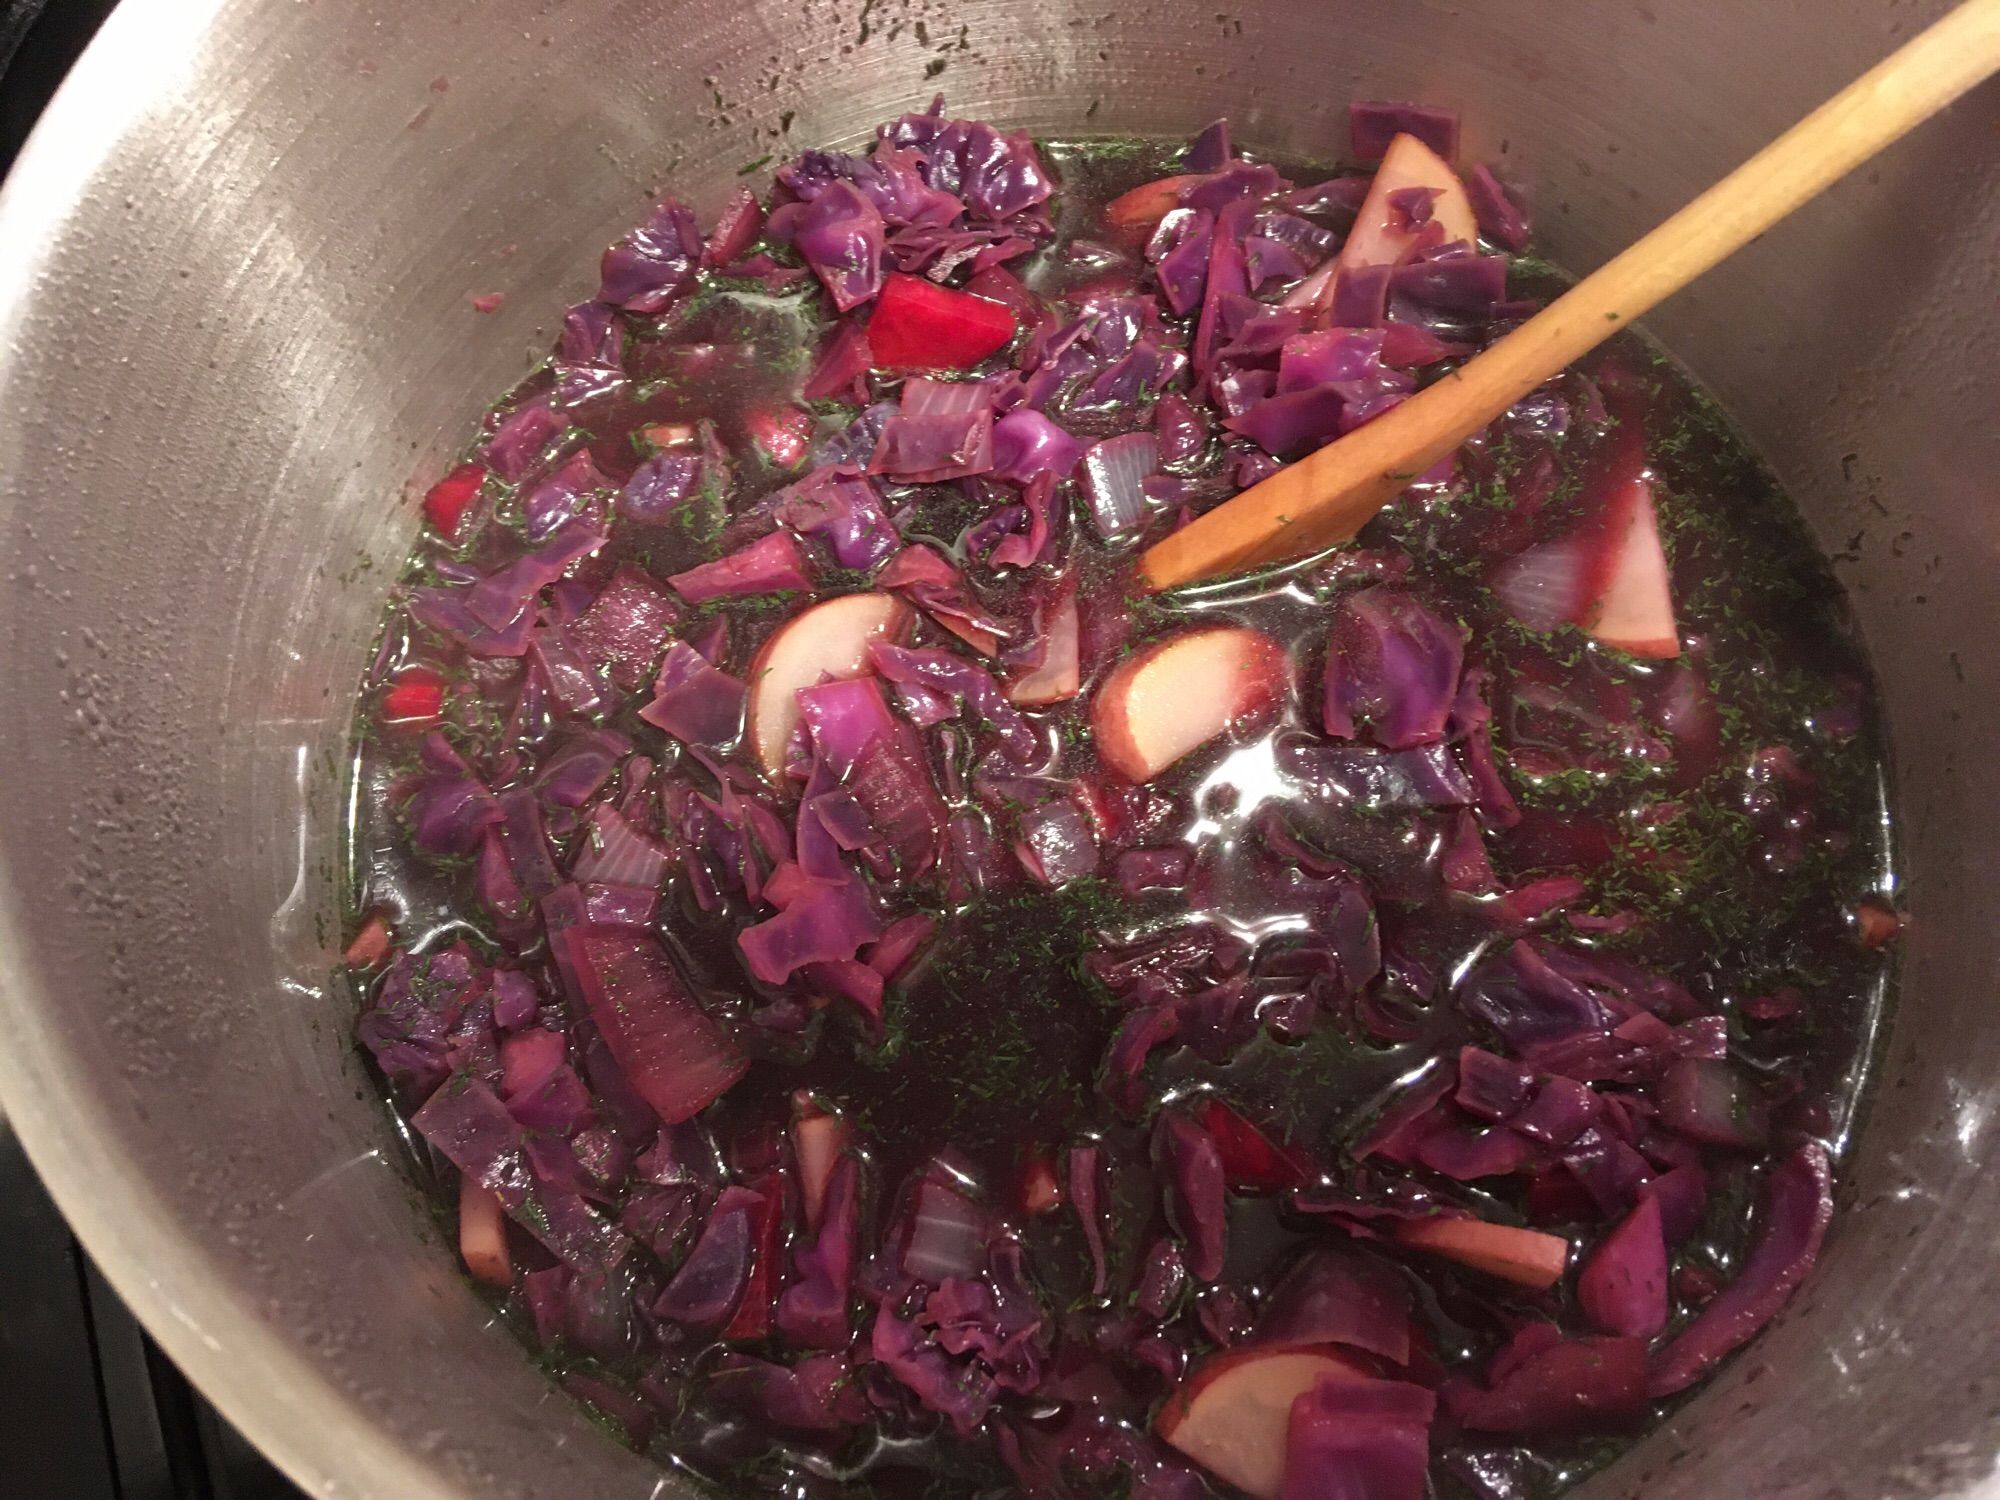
x: 238, y: 260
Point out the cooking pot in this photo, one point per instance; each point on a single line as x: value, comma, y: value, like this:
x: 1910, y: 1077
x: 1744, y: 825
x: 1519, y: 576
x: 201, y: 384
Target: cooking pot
x: 235, y: 270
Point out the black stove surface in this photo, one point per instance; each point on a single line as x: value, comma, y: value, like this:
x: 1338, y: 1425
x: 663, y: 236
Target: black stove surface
x: 39, y: 39
x: 90, y: 1409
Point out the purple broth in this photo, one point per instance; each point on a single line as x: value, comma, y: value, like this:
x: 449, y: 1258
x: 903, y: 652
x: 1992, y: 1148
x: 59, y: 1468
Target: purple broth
x: 1083, y: 1079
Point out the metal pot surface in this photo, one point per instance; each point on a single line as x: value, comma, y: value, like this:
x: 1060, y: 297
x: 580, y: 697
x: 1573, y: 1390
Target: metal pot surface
x: 234, y: 270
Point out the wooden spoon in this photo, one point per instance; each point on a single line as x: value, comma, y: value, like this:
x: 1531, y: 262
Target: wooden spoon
x: 1327, y: 497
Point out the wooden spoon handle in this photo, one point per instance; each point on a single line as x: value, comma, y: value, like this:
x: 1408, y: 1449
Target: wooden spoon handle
x: 1328, y: 496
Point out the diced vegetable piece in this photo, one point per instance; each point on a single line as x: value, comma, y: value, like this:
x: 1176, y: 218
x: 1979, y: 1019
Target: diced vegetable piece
x: 447, y: 501
x: 820, y: 921
x: 919, y: 325
x: 773, y: 564
x: 710, y: 1282
x: 1544, y: 586
x: 892, y: 953
x: 752, y: 1319
x: 1060, y: 675
x: 694, y: 702
x: 1711, y: 1102
x: 813, y: 1311
x: 659, y: 437
x: 1040, y: 1192
x: 468, y: 1125
x: 840, y: 235
x: 1499, y: 215
x: 1392, y: 669
x: 830, y: 640
x: 415, y: 698
x: 1195, y: 1193
x: 1544, y: 1382
x: 1315, y: 294
x: 1634, y: 610
x: 654, y: 266
x: 1359, y: 1440
x: 780, y: 434
x: 1608, y: 574
x: 1056, y: 843
x: 1876, y: 921
x: 1335, y: 1296
x: 371, y: 944
x: 1178, y: 694
x: 626, y: 627
x: 1210, y: 151
x: 1114, y: 476
x: 818, y: 1139
x: 940, y: 429
x: 1251, y: 1161
x: 947, y: 1230
x: 939, y: 588
x: 482, y: 1235
x: 736, y: 228
x: 1233, y: 1412
x: 1526, y: 1257
x: 841, y: 372
x: 1798, y: 1203
x: 1147, y: 204
x: 1086, y: 1177
x: 676, y: 1056
x: 1382, y: 232
x: 1374, y: 124
x: 1622, y: 1287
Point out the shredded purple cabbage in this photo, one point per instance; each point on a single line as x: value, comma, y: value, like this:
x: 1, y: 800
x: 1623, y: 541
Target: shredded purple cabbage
x: 841, y: 237
x: 654, y: 266
x: 907, y: 1079
x: 1356, y: 1438
x: 1373, y: 123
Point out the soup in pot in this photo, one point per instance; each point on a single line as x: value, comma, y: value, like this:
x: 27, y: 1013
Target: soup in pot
x: 892, y: 1007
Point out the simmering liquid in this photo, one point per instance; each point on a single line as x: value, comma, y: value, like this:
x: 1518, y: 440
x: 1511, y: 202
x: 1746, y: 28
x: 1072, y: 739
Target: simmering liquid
x: 1273, y: 958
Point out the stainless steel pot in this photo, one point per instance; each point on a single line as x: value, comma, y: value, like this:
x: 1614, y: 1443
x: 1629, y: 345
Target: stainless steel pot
x: 234, y: 271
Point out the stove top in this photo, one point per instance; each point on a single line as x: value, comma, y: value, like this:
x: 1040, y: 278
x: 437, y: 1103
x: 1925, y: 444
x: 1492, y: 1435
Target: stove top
x: 90, y: 1409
